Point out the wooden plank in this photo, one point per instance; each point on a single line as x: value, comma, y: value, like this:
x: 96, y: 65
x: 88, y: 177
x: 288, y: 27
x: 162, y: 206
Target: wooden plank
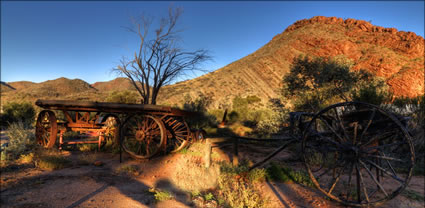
x: 109, y: 107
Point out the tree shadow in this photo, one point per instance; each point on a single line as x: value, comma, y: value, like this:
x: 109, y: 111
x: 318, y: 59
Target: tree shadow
x: 104, y: 178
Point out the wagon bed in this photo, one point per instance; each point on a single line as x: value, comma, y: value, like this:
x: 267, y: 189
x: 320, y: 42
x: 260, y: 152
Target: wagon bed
x: 109, y: 107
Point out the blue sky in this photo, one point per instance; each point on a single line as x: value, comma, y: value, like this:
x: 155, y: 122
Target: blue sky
x: 46, y: 40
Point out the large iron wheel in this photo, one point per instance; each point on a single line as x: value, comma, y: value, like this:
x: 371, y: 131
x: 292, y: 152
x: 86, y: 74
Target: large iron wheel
x: 142, y: 136
x: 358, y: 154
x: 178, y: 133
x: 46, y: 129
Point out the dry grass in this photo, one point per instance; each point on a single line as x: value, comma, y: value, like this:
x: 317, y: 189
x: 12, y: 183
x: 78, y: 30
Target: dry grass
x: 87, y: 158
x: 190, y: 173
x: 128, y: 169
x: 51, y: 159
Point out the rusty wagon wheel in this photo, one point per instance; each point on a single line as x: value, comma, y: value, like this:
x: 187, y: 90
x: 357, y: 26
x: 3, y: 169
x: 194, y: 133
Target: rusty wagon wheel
x: 178, y: 132
x: 143, y: 136
x: 358, y: 154
x: 111, y: 123
x: 46, y: 128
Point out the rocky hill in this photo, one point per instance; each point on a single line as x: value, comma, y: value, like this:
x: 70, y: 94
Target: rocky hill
x: 119, y: 83
x: 396, y: 56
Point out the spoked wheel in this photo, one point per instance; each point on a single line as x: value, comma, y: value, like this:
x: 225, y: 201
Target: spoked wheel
x: 112, y: 124
x: 46, y: 128
x: 199, y: 135
x: 178, y: 133
x: 358, y: 154
x: 143, y: 136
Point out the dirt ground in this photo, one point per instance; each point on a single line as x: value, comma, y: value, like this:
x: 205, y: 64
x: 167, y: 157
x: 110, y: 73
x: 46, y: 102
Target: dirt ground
x: 101, y: 186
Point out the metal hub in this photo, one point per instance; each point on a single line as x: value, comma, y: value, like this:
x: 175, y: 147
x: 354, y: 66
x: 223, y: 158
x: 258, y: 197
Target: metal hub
x: 140, y: 135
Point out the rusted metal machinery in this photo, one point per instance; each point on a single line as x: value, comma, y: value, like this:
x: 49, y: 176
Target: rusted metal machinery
x: 142, y: 130
x: 355, y: 153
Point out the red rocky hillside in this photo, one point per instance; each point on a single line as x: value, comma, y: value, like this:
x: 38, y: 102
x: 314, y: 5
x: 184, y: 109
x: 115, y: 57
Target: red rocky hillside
x: 397, y: 56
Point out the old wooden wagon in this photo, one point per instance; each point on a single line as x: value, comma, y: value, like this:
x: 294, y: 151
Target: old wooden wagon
x: 143, y: 130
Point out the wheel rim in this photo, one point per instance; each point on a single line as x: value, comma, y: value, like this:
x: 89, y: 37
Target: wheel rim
x: 46, y: 129
x: 358, y: 154
x: 178, y: 133
x: 143, y: 136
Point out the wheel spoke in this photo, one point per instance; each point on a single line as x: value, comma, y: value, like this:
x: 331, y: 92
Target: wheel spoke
x: 377, y: 138
x: 385, y: 145
x: 372, y: 116
x: 373, y: 178
x: 385, y: 157
x: 349, y: 180
x: 335, y: 181
x: 362, y: 185
x: 389, y: 164
x: 385, y: 171
x: 330, y: 141
x: 341, y: 124
x: 330, y: 127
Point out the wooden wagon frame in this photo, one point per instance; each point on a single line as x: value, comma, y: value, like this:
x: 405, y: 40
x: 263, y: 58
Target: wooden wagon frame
x: 142, y: 130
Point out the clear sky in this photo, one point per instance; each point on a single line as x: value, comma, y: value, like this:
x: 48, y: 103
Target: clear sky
x: 46, y: 40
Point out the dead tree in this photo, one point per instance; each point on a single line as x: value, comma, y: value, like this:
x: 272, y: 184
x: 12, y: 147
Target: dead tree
x: 159, y: 59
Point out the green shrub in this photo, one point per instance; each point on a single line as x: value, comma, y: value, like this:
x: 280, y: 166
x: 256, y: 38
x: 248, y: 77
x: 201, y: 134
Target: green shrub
x: 237, y: 192
x: 128, y: 169
x: 236, y: 185
x: 233, y: 117
x: 209, y: 196
x: 372, y: 93
x: 52, y: 162
x: 257, y: 175
x: 199, y: 105
x: 126, y: 96
x: 28, y: 158
x: 314, y: 83
x: 17, y: 112
x: 161, y: 195
x: 111, y: 147
x: 286, y: 174
x: 21, y: 139
x: 86, y: 159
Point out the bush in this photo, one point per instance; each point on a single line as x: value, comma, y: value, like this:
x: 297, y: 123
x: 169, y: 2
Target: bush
x: 374, y: 93
x: 128, y: 169
x: 236, y: 185
x: 162, y: 195
x: 314, y: 83
x: 237, y: 192
x: 126, y: 96
x: 286, y: 174
x: 52, y: 162
x: 199, y: 106
x: 21, y: 139
x: 17, y: 112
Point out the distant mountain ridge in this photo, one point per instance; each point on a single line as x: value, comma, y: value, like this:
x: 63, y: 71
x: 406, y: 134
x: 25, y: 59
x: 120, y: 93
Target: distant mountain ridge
x: 396, y: 56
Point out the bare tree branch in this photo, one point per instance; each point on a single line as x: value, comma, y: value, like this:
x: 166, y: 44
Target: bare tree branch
x: 159, y: 60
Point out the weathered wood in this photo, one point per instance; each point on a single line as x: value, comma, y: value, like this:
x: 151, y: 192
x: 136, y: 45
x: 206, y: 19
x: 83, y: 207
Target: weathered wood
x: 273, y: 154
x: 87, y: 106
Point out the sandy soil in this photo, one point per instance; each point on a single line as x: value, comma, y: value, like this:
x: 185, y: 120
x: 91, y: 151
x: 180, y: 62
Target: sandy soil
x: 102, y: 186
